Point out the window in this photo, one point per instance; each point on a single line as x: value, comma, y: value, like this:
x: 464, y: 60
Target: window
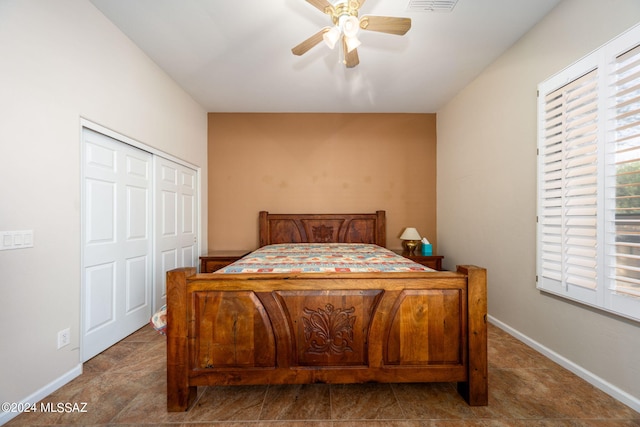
x: 588, y: 232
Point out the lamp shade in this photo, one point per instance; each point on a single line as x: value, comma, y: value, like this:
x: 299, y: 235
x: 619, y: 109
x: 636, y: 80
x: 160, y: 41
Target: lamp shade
x: 351, y: 42
x: 349, y: 25
x: 410, y: 233
x: 331, y: 37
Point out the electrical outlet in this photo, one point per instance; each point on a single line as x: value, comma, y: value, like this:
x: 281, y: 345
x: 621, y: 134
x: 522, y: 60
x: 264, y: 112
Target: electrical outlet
x: 64, y: 338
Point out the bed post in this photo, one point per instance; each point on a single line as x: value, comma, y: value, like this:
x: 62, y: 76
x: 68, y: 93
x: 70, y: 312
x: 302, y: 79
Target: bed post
x: 381, y: 229
x: 179, y: 394
x: 476, y: 389
x: 263, y: 228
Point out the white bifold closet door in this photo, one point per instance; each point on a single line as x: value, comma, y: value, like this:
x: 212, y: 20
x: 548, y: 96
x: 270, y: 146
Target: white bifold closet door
x: 176, y: 222
x: 139, y: 219
x: 118, y: 241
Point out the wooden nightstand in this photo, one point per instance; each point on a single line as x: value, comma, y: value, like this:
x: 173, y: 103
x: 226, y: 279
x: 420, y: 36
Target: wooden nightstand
x: 215, y: 260
x: 431, y: 261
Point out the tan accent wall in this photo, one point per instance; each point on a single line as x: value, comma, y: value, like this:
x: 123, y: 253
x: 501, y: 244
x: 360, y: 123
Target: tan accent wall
x: 320, y: 163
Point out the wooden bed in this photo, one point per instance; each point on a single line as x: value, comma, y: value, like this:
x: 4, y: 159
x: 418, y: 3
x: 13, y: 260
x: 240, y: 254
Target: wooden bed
x: 233, y: 329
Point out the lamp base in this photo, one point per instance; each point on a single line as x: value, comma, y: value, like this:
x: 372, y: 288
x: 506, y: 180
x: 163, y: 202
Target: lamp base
x: 410, y: 246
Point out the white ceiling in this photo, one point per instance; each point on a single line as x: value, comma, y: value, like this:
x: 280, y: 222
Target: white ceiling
x: 235, y: 55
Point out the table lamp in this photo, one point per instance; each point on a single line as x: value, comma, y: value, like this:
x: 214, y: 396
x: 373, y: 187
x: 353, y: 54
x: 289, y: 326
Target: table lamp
x: 410, y: 239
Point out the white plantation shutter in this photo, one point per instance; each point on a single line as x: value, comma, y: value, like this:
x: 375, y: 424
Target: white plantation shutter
x: 580, y: 186
x: 568, y: 219
x: 624, y: 219
x: 589, y: 179
x: 550, y: 217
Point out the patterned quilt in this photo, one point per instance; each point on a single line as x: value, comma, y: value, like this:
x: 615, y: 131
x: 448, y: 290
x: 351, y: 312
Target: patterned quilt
x: 322, y: 258
x: 313, y: 258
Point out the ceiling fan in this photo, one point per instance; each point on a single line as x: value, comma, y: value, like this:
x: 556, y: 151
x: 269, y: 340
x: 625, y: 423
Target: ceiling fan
x: 344, y: 15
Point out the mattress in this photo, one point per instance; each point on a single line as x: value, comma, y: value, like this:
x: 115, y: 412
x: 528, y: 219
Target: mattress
x: 322, y: 258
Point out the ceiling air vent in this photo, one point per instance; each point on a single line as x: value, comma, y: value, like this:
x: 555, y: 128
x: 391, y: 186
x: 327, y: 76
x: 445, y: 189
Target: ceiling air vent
x: 431, y: 5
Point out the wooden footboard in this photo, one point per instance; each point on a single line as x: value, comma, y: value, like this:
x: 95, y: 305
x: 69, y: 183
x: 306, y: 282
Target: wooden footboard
x: 329, y: 328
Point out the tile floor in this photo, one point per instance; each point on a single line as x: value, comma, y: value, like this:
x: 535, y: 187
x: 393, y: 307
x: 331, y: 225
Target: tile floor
x: 126, y: 384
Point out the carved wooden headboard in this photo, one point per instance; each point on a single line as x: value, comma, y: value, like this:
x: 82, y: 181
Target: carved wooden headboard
x: 322, y: 228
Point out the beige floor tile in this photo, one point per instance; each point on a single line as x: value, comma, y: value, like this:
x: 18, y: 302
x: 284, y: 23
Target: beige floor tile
x: 229, y: 403
x: 364, y: 402
x: 297, y: 402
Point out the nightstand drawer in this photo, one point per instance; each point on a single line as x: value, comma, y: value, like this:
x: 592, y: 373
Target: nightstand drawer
x: 215, y: 260
x: 431, y: 261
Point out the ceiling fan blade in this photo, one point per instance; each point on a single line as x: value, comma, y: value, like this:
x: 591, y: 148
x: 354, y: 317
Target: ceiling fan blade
x: 303, y: 47
x: 386, y: 24
x: 351, y: 59
x: 322, y: 5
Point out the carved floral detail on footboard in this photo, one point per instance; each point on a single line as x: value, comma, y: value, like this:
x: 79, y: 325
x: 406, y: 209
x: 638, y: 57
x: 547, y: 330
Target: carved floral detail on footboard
x: 329, y: 331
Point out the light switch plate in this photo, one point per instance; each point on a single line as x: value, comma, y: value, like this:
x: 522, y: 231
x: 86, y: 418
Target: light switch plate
x: 7, y: 240
x: 16, y: 239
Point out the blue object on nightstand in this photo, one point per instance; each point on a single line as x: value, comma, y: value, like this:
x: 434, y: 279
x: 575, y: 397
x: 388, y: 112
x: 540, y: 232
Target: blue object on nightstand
x: 426, y: 249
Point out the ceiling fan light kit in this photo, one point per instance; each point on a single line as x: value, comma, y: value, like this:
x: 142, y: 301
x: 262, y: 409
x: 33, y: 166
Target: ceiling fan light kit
x: 344, y: 15
x: 332, y: 36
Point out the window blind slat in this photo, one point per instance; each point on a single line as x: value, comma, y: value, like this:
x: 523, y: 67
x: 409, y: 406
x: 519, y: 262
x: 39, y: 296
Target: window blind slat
x: 631, y: 56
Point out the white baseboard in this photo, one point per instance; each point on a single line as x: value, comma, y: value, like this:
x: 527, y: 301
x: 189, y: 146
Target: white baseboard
x: 45, y: 391
x: 613, y: 391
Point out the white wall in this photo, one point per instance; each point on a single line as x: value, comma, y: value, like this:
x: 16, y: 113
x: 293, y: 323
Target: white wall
x: 487, y: 194
x: 61, y: 61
